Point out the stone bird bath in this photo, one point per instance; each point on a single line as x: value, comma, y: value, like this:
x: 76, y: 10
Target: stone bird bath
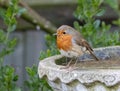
x: 103, y: 75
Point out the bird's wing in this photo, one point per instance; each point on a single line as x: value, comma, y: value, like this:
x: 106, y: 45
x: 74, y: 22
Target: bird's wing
x: 78, y: 38
x: 84, y: 43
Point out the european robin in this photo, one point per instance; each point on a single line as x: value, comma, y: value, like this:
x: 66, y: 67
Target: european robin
x: 71, y: 43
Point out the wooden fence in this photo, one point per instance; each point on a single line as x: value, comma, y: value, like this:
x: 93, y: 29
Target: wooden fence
x: 26, y: 53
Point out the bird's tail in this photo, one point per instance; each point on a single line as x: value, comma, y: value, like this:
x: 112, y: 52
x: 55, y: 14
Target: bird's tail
x: 91, y: 52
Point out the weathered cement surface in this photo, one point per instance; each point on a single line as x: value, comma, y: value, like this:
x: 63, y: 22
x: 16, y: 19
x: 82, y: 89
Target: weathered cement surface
x: 103, y: 75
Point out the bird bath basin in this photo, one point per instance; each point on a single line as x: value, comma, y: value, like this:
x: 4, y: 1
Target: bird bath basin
x: 103, y: 75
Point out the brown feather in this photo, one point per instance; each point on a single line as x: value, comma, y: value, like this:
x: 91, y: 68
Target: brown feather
x: 88, y: 47
x: 82, y: 42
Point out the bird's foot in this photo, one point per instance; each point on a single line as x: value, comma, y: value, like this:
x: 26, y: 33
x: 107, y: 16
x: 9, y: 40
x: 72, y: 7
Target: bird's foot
x: 69, y: 67
x: 72, y: 67
x: 65, y: 67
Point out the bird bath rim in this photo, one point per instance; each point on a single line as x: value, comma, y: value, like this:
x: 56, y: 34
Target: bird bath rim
x: 86, y: 75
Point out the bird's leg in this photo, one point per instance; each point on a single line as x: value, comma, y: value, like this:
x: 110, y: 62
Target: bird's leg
x: 75, y: 62
x: 73, y: 67
x: 69, y: 62
x: 68, y: 65
x: 66, y: 61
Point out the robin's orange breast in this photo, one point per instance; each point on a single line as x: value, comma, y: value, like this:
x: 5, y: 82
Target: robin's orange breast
x: 64, y: 42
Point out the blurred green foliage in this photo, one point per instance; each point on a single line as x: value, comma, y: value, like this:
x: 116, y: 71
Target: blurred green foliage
x: 117, y: 22
x: 8, y: 78
x: 113, y: 4
x: 52, y: 49
x: 34, y: 83
x: 94, y: 30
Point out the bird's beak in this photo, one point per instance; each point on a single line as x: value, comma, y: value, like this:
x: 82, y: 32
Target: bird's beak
x: 55, y: 34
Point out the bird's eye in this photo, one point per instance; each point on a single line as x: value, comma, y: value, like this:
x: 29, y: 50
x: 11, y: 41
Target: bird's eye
x: 64, y: 32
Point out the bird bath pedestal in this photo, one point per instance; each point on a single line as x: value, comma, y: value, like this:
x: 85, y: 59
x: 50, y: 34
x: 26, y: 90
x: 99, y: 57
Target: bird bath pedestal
x: 103, y: 75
